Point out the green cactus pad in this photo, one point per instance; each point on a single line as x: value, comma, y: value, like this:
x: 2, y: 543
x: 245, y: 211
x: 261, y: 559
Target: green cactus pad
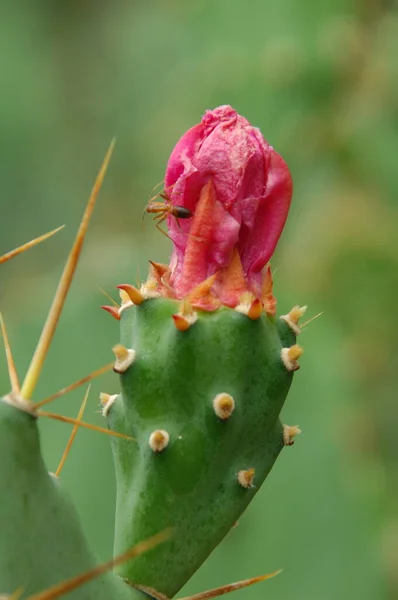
x: 192, y: 484
x: 41, y: 541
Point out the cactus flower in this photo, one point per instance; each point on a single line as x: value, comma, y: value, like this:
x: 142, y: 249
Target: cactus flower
x: 238, y: 190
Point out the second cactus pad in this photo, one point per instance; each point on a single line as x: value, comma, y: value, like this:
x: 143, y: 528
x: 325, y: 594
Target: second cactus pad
x: 203, y: 405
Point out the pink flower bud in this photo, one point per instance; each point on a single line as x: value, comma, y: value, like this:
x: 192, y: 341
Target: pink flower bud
x: 238, y: 190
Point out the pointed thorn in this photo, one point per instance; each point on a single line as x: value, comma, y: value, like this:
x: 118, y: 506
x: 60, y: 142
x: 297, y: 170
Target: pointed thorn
x: 63, y: 419
x: 246, y: 477
x: 113, y: 310
x: 182, y: 323
x: 133, y: 293
x: 65, y: 281
x: 73, y: 434
x: 293, y: 316
x: 225, y: 589
x: 290, y: 357
x: 159, y: 440
x: 289, y: 433
x: 223, y: 405
x: 255, y: 310
x: 107, y: 400
x: 202, y: 292
x: 250, y: 306
x: 75, y: 385
x: 124, y: 358
x: 159, y: 269
x: 12, y: 371
x: 28, y: 245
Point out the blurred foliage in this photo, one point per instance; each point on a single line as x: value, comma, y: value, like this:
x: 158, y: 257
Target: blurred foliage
x: 321, y: 81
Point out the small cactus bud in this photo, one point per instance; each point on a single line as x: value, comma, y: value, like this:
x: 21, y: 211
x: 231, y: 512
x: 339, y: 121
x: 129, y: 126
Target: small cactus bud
x: 290, y: 357
x: 224, y: 405
x: 293, y: 317
x: 124, y: 358
x: 159, y: 440
x: 289, y: 433
x: 107, y: 400
x: 245, y: 478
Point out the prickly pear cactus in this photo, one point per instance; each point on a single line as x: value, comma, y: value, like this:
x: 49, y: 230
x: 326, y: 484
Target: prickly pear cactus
x: 204, y: 364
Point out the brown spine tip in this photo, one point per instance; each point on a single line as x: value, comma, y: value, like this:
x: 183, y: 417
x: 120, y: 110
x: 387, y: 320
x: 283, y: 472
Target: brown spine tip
x: 113, y: 310
x: 106, y: 401
x: 245, y: 478
x: 290, y: 357
x: 124, y: 358
x: 223, y: 405
x: 293, y: 316
x: 132, y: 292
x: 159, y: 440
x: 289, y: 433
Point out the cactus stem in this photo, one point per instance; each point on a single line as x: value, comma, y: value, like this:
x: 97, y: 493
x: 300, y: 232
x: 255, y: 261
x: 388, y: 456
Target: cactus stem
x: 159, y: 440
x: 107, y: 400
x: 75, y: 385
x: 124, y: 358
x: 24, y: 247
x: 293, y: 316
x: 250, y: 306
x: 69, y: 585
x: 54, y: 314
x: 73, y: 434
x: 132, y: 292
x: 246, y: 477
x: 289, y: 433
x: 223, y: 405
x: 63, y: 419
x: 113, y: 310
x: 12, y: 371
x: 290, y: 357
x: 231, y: 587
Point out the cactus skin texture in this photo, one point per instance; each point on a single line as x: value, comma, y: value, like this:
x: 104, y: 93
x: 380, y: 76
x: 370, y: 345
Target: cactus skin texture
x: 192, y: 485
x: 41, y: 541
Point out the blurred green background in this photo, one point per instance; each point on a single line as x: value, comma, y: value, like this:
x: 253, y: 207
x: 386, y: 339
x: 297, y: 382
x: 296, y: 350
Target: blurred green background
x: 321, y: 81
